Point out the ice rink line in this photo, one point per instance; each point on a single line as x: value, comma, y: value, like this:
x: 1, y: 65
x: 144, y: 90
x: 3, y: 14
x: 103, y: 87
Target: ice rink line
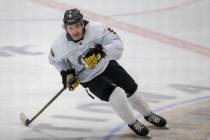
x: 160, y: 109
x: 172, y: 41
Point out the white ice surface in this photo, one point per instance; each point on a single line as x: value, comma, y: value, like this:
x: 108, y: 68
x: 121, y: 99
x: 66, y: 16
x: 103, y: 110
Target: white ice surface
x: 165, y: 73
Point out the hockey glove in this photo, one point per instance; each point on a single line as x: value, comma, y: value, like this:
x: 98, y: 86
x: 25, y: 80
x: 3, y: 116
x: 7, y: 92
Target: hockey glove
x: 69, y: 79
x: 93, y: 56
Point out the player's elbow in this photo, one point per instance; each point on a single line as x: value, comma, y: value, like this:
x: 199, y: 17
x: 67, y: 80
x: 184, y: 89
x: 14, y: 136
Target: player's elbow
x: 119, y: 52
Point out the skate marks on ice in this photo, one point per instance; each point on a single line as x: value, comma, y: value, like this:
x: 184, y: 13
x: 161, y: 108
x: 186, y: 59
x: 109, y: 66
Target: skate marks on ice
x: 47, y: 126
x: 102, y: 108
x: 47, y: 131
x: 189, y: 117
x: 79, y: 118
x: 187, y: 122
x: 191, y: 89
x: 10, y: 50
x: 75, y: 126
x: 157, y: 98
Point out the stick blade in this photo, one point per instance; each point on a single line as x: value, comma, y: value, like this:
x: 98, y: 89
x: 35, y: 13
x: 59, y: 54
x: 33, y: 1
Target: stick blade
x: 24, y: 119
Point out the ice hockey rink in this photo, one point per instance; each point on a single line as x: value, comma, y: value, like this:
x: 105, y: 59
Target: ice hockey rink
x: 166, y: 50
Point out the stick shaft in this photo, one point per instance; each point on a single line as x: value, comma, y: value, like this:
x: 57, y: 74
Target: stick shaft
x: 35, y: 116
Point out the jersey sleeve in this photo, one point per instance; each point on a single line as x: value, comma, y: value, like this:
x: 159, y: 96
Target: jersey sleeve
x: 58, y: 64
x: 112, y: 44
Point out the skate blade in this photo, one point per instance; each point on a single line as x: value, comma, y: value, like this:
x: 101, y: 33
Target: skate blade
x: 161, y: 128
x: 164, y: 128
x: 148, y: 136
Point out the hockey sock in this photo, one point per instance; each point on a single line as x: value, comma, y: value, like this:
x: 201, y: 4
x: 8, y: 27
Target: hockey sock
x: 139, y: 103
x: 120, y: 104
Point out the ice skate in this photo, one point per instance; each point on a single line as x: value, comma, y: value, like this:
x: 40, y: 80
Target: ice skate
x: 139, y: 128
x: 156, y: 120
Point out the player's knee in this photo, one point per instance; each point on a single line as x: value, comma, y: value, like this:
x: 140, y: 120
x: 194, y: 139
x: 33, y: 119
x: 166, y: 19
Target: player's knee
x: 107, y: 93
x: 109, y: 90
x: 131, y: 90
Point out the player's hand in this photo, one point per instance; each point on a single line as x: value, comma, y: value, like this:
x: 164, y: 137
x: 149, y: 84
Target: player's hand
x: 69, y: 79
x: 73, y: 84
x: 93, y: 56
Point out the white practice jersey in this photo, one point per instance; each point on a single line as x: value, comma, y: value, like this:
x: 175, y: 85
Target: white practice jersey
x: 67, y: 54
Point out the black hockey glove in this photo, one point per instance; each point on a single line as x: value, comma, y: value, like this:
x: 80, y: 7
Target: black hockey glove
x: 69, y: 79
x: 93, y: 56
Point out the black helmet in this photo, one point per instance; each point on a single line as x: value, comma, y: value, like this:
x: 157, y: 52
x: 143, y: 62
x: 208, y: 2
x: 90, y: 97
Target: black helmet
x: 72, y: 16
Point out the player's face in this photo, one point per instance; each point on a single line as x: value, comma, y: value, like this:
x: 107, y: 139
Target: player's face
x: 75, y: 31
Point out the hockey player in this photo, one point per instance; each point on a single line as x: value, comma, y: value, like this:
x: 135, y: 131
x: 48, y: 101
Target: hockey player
x: 97, y: 47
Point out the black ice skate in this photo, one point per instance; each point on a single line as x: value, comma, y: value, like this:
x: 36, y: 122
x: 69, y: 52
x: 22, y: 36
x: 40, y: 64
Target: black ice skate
x: 156, y: 120
x: 139, y: 128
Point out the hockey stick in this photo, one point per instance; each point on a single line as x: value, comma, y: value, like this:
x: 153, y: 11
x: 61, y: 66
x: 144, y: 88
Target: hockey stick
x: 27, y: 121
